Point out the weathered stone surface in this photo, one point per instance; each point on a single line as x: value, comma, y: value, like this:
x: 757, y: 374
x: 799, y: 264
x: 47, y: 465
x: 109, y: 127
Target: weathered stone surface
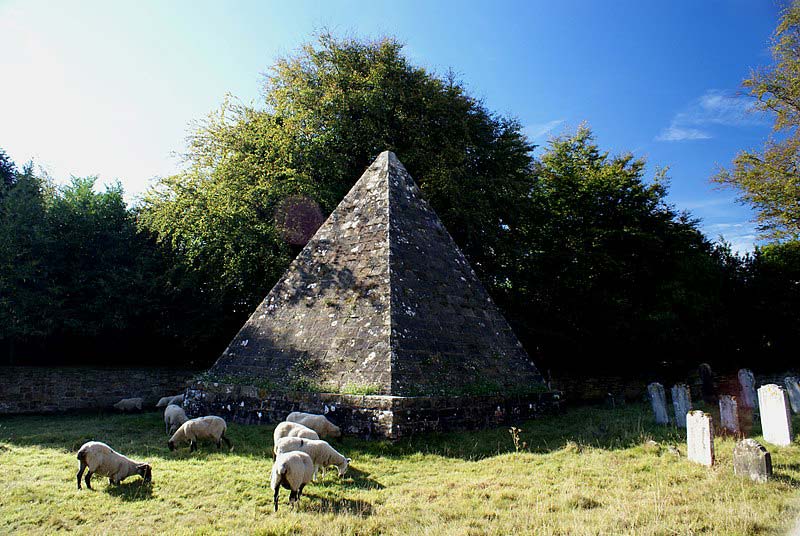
x: 51, y: 389
x: 381, y: 298
x: 729, y: 415
x: 747, y: 381
x: 752, y: 460
x: 658, y: 401
x: 776, y: 421
x: 793, y: 390
x: 707, y: 384
x: 682, y: 403
x: 369, y: 416
x: 700, y: 438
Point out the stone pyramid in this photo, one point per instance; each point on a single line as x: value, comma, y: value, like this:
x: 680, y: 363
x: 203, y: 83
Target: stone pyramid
x: 380, y: 301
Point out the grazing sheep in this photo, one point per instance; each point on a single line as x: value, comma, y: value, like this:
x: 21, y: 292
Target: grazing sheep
x: 292, y: 470
x: 319, y: 423
x: 167, y: 400
x: 174, y: 417
x: 129, y: 404
x: 209, y: 427
x: 291, y: 429
x: 101, y: 459
x: 322, y: 454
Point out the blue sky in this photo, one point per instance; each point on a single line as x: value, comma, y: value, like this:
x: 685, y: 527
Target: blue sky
x: 111, y: 88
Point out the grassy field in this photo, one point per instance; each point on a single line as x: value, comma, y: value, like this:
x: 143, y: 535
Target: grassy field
x: 588, y: 471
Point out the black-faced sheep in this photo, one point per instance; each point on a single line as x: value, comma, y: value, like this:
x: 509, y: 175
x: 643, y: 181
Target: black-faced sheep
x: 319, y: 423
x: 209, y: 427
x: 174, y: 417
x: 322, y: 454
x: 101, y: 459
x: 292, y: 470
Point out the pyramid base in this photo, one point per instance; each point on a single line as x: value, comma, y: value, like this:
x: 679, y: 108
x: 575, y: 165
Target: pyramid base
x: 368, y: 416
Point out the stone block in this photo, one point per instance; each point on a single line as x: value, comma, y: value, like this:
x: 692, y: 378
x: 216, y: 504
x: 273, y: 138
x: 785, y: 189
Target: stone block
x: 682, y: 403
x: 747, y: 382
x: 729, y: 415
x: 752, y: 460
x: 776, y: 421
x: 658, y: 401
x: 700, y: 438
x: 793, y: 390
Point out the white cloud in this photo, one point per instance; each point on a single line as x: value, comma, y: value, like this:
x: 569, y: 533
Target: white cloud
x: 676, y: 133
x: 741, y: 236
x: 713, y: 108
x: 537, y: 131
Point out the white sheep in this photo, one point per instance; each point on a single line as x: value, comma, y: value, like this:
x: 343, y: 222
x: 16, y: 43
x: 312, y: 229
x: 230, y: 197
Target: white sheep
x: 292, y: 470
x: 319, y: 423
x: 167, y: 400
x: 174, y: 417
x: 208, y: 427
x: 101, y: 459
x: 322, y: 454
x: 129, y: 404
x: 291, y: 429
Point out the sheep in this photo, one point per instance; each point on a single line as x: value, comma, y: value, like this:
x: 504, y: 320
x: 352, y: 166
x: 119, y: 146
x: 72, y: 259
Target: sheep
x: 129, y: 404
x: 292, y: 470
x: 322, y: 454
x: 208, y: 427
x: 291, y: 429
x: 101, y: 459
x: 167, y: 400
x: 319, y: 423
x: 174, y: 417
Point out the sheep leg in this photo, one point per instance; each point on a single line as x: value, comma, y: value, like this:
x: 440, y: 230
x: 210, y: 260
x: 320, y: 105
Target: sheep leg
x: 300, y: 491
x: 292, y: 497
x: 81, y: 469
x: 227, y: 442
x: 88, y: 479
x: 277, y: 490
x: 192, y: 445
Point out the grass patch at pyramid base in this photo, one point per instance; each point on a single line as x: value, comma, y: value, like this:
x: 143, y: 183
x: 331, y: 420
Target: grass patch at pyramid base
x: 369, y: 416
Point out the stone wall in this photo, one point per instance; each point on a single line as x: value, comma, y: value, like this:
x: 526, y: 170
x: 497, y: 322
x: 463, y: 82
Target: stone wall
x: 45, y: 390
x: 368, y: 416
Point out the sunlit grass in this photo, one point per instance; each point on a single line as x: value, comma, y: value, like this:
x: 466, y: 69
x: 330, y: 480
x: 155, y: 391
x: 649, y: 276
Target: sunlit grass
x: 585, y: 472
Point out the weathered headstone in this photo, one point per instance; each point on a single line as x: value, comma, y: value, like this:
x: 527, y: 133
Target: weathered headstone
x: 729, y: 415
x: 776, y: 422
x: 748, y: 384
x: 793, y: 390
x: 682, y: 402
x: 658, y: 400
x: 700, y: 438
x: 707, y: 388
x: 752, y: 460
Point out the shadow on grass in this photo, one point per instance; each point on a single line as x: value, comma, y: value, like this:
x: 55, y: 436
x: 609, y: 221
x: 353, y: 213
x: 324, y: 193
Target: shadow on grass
x: 326, y: 505
x: 355, y: 478
x: 135, y: 490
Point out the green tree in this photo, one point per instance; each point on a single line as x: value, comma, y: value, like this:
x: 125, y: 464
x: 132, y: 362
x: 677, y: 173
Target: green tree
x: 769, y: 180
x: 24, y: 279
x: 327, y: 112
x: 605, y: 266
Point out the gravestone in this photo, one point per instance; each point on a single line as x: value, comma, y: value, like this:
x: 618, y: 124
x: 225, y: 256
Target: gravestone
x: 682, y: 403
x: 793, y: 390
x: 700, y: 438
x: 776, y: 421
x: 752, y: 460
x: 729, y: 415
x: 658, y: 401
x: 707, y: 387
x: 747, y: 381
